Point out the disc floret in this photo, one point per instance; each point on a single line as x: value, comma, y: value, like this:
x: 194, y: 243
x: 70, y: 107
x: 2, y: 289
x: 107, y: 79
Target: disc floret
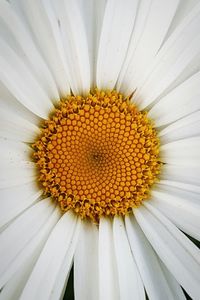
x: 98, y: 155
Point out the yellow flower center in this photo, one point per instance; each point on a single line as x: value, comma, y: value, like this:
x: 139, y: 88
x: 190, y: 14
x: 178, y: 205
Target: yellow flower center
x: 97, y: 155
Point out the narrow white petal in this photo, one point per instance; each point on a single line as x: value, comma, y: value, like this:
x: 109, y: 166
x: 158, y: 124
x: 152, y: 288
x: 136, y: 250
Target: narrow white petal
x: 181, y: 207
x: 178, y: 253
x: 23, y: 178
x: 142, y: 13
x: 181, y: 129
x: 41, y: 282
x: 9, y: 105
x: 16, y: 128
x: 14, y: 238
x: 108, y: 276
x: 74, y: 45
x: 26, y: 48
x: 183, y: 174
x: 174, y: 285
x: 13, y: 288
x: 185, y: 7
x: 38, y: 16
x: 58, y: 290
x: 152, y: 23
x: 116, y: 31
x: 21, y: 83
x: 130, y: 283
x: 182, y: 101
x: 182, y: 152
x: 93, y: 12
x: 155, y: 281
x: 173, y: 62
x: 178, y: 195
x: 187, y: 221
x: 189, y: 246
x: 15, y: 173
x: 14, y: 200
x: 14, y: 151
x: 22, y: 265
x: 86, y: 272
x: 181, y: 185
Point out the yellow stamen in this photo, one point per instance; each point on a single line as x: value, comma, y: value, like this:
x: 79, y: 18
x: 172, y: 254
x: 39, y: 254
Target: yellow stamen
x: 98, y: 155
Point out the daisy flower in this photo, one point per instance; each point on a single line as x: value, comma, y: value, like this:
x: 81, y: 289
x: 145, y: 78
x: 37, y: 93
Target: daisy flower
x: 99, y: 143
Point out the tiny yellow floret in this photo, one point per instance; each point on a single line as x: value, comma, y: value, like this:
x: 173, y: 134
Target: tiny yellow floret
x: 97, y: 155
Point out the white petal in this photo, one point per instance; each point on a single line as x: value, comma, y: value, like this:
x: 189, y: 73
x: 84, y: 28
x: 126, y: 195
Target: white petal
x: 181, y: 129
x: 181, y: 185
x: 185, y: 7
x: 16, y: 173
x: 159, y: 285
x: 14, y: 238
x: 74, y: 45
x: 41, y: 282
x: 13, y: 288
x: 58, y: 290
x: 22, y: 265
x: 107, y: 263
x: 116, y: 31
x: 14, y: 151
x: 182, y: 101
x: 176, y: 195
x: 93, y: 12
x: 10, y: 105
x: 16, y: 128
x: 183, y: 152
x: 21, y: 83
x: 86, y: 271
x: 173, y: 62
x: 15, y: 200
x: 175, y: 287
x: 144, y: 8
x: 26, y: 48
x: 181, y: 207
x: 152, y: 23
x: 178, y: 253
x: 38, y: 16
x: 186, y: 175
x: 130, y: 283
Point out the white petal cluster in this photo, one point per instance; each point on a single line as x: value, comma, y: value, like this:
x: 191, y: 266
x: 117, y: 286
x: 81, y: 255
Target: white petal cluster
x: 146, y: 48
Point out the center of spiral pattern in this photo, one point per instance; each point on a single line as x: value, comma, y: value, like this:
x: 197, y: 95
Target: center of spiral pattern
x: 97, y: 155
